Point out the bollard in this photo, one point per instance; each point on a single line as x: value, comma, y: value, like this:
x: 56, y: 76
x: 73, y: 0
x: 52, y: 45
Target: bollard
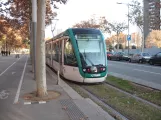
x: 58, y: 77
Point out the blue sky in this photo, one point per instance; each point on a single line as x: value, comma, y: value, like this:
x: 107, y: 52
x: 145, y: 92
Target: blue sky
x: 77, y: 10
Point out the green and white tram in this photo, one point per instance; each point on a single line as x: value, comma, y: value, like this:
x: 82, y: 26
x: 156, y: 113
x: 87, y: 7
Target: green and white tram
x: 79, y: 54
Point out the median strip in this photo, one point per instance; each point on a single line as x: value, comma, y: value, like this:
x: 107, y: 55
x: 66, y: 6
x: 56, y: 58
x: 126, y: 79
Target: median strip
x: 146, y: 93
x: 130, y: 107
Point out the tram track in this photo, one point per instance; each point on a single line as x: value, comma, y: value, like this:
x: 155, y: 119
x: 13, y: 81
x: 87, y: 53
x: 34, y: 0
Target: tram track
x: 134, y: 96
x: 113, y: 112
x: 101, y: 101
x: 107, y: 106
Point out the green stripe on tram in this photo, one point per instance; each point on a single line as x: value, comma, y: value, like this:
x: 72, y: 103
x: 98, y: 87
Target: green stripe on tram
x: 76, y: 51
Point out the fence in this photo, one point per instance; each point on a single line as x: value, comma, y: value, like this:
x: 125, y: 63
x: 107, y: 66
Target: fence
x: 151, y: 51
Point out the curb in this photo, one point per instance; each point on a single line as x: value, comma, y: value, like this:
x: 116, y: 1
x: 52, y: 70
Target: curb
x: 76, y: 97
x: 136, y: 80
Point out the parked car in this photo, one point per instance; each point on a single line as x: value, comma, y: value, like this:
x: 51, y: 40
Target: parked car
x: 120, y: 56
x: 156, y: 59
x: 125, y: 56
x: 140, y: 57
x: 109, y: 54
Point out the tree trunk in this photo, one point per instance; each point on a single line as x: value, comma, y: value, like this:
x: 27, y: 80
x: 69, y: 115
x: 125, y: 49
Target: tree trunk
x: 40, y: 50
x: 31, y: 50
x: 142, y: 42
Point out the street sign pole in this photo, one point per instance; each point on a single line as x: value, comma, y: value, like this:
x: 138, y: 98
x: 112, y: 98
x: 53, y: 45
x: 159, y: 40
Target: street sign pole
x: 128, y: 28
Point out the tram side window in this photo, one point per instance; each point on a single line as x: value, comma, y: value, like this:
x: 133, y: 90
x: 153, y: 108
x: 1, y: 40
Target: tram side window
x: 57, y: 51
x: 69, y: 56
x: 48, y: 50
x: 53, y: 51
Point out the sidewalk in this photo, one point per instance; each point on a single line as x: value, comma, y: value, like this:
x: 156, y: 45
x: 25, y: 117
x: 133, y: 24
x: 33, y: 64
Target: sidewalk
x: 68, y: 106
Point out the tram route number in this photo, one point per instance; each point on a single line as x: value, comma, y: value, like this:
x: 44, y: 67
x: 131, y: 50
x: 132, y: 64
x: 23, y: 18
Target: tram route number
x: 4, y: 94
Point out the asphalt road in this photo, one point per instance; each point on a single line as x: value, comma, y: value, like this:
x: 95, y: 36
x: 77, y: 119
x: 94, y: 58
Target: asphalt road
x: 10, y: 74
x: 139, y: 71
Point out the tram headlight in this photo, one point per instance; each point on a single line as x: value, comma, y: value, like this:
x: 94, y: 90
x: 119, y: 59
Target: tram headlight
x: 84, y: 70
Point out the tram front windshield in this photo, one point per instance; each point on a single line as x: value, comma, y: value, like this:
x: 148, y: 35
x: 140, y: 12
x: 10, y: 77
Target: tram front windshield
x: 91, y: 48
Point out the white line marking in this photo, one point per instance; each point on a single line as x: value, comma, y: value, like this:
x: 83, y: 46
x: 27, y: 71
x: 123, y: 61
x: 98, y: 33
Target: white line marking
x: 41, y: 102
x: 135, y: 64
x: 27, y: 103
x: 134, y: 69
x: 4, y: 94
x: 20, y: 83
x: 147, y: 71
x: 9, y: 67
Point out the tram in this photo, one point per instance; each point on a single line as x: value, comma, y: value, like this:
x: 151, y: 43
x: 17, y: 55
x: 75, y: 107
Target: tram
x: 79, y: 54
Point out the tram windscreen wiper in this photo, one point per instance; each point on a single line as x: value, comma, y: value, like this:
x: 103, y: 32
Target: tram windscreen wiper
x: 99, y: 65
x: 87, y: 58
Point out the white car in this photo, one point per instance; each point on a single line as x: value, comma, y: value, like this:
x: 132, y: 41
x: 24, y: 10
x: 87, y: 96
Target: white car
x: 140, y: 57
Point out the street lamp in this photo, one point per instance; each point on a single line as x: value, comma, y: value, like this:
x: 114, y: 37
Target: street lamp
x: 128, y: 20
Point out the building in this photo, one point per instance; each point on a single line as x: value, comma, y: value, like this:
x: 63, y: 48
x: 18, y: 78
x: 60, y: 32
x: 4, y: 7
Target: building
x: 135, y: 40
x: 151, y: 16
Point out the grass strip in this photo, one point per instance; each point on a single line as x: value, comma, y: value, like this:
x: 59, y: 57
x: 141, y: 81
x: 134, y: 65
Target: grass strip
x: 149, y: 94
x: 79, y: 91
x: 129, y: 107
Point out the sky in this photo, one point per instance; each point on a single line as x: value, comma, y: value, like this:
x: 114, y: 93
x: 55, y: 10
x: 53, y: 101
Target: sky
x: 78, y: 10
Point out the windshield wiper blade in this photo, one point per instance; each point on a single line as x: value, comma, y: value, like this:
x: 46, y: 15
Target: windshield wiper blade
x: 99, y: 65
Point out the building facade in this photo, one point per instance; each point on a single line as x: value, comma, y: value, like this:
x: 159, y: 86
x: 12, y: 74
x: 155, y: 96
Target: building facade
x: 152, y: 19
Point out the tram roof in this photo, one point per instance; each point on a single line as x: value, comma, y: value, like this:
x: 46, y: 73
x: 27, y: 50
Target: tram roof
x: 76, y: 31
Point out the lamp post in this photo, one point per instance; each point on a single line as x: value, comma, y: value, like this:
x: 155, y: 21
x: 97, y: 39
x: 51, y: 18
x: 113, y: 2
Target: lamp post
x: 128, y: 20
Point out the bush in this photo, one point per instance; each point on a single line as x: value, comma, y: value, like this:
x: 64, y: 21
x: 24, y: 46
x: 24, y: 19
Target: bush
x: 133, y: 47
x: 120, y: 46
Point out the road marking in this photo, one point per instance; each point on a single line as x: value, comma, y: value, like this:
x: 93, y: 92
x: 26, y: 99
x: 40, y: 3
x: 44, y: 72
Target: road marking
x: 135, y: 69
x: 20, y: 83
x: 147, y: 71
x: 4, y: 94
x: 13, y: 73
x: 134, y: 64
x: 9, y: 67
x: 39, y: 102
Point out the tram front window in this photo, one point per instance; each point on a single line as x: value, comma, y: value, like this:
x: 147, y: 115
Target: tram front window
x: 91, y: 49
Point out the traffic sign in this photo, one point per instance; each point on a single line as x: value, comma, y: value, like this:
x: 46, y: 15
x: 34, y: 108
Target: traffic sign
x: 128, y: 37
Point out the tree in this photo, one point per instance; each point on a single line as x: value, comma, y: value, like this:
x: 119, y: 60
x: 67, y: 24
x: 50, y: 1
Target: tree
x: 121, y: 39
x: 154, y: 39
x: 133, y: 47
x: 136, y: 16
x: 138, y: 40
x: 119, y: 46
x: 100, y: 23
x: 18, y: 16
x: 91, y: 23
x: 118, y: 28
x: 40, y: 50
x: 104, y: 25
